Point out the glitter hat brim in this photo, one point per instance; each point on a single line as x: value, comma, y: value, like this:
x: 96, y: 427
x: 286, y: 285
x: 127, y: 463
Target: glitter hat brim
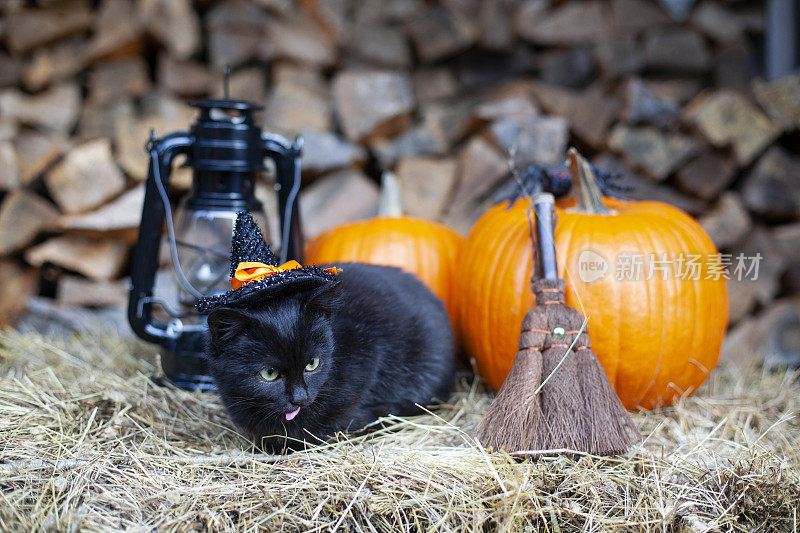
x: 282, y: 283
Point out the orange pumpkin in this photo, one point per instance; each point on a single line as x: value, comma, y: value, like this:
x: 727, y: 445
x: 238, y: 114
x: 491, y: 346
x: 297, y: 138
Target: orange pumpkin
x: 656, y: 338
x: 418, y: 246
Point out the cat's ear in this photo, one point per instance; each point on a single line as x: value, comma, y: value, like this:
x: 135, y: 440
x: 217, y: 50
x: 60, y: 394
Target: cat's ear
x: 225, y: 324
x: 325, y: 300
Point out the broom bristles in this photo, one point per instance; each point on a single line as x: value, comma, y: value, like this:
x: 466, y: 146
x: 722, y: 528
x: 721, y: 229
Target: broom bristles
x: 562, y: 397
x: 557, y: 395
x: 514, y: 419
x: 562, y: 402
x: 611, y: 430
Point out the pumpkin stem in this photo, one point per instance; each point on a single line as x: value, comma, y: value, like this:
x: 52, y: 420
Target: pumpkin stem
x: 587, y: 192
x: 389, y: 204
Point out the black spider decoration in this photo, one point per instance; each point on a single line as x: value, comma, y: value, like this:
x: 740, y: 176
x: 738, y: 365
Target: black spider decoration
x: 555, y: 180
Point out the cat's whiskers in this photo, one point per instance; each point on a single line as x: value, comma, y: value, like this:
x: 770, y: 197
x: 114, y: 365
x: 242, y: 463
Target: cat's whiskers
x: 243, y: 401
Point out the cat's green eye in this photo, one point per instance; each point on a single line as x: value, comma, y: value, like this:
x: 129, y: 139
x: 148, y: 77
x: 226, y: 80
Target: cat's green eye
x: 269, y: 374
x: 310, y: 367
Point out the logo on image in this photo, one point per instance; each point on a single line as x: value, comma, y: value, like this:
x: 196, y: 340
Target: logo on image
x: 591, y: 266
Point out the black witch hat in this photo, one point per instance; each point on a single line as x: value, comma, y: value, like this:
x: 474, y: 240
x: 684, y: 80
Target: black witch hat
x: 256, y: 273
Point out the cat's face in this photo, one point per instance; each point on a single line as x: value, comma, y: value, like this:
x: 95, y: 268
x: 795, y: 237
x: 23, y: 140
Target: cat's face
x: 273, y: 361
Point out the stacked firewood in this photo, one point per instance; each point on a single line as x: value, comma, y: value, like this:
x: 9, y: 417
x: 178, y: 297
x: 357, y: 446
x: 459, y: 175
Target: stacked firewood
x: 664, y: 91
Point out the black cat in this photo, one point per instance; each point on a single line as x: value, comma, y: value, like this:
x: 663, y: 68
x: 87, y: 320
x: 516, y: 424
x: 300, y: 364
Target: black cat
x: 303, y: 366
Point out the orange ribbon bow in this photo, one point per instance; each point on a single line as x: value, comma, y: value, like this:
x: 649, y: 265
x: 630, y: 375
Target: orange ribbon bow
x: 247, y: 272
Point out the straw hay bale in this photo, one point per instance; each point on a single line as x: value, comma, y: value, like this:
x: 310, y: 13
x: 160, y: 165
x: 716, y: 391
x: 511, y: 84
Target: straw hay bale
x: 88, y: 441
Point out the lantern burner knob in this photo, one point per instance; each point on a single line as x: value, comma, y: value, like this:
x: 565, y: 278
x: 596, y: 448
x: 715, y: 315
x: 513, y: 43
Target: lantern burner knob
x: 226, y: 110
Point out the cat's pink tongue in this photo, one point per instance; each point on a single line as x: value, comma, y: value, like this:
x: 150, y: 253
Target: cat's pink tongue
x: 292, y: 414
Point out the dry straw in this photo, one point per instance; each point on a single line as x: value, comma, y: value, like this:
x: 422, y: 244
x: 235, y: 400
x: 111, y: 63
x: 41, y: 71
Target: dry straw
x: 88, y: 442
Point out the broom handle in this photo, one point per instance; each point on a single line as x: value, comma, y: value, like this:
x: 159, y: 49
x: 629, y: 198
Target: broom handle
x: 546, y: 265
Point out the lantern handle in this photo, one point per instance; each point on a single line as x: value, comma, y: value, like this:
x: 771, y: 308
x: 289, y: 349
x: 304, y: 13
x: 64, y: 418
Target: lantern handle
x: 145, y: 256
x: 286, y: 155
x: 173, y: 246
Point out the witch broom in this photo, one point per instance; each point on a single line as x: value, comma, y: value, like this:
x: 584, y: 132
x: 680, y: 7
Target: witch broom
x: 557, y: 395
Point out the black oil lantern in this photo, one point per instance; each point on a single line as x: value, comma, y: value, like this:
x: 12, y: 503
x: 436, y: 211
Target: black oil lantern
x: 226, y: 150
